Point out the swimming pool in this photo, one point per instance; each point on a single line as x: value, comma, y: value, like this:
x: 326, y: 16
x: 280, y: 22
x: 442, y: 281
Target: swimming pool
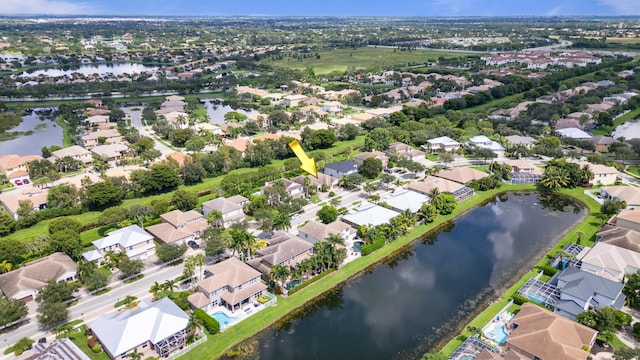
x: 497, y: 333
x: 223, y: 319
x: 357, y: 245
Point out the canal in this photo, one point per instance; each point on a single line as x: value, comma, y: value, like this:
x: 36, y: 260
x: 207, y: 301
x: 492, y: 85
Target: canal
x: 406, y: 305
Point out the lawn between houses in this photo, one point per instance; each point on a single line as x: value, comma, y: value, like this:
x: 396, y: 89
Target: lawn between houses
x: 218, y: 345
x: 589, y: 227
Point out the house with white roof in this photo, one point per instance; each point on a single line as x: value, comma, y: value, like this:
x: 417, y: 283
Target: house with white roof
x: 369, y: 214
x: 526, y: 141
x: 231, y: 209
x: 75, y: 152
x: 442, y: 143
x: 403, y: 200
x: 484, y: 142
x: 629, y: 194
x: 573, y: 133
x: 160, y: 326
x: 603, y: 174
x: 131, y: 240
x: 610, y: 261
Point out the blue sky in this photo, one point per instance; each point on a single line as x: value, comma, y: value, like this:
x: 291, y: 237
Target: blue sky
x: 322, y: 8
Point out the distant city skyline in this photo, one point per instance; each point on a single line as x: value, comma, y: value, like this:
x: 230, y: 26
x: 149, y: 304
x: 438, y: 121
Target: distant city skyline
x: 321, y: 8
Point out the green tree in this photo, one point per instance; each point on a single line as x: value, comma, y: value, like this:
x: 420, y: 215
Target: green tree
x: 140, y: 213
x: 113, y: 215
x: 279, y: 274
x: 103, y: 195
x: 632, y: 290
x: 56, y: 292
x: 162, y: 178
x: 64, y: 223
x: 96, y: 280
x: 130, y: 267
x: 193, y: 173
x: 184, y: 200
x: 67, y: 241
x: 7, y: 223
x: 63, y: 196
x: 377, y: 139
x: 611, y: 207
x: 22, y: 345
x: 350, y: 182
x: 446, y: 204
x: 11, y: 310
x: 348, y: 132
x: 427, y: 213
x: 194, y: 144
x: 327, y: 214
x: 370, y: 168
x: 169, y: 252
x: 554, y: 178
x: 27, y: 215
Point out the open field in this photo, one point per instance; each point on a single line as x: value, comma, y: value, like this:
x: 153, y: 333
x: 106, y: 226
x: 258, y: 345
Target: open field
x: 623, y: 40
x: 363, y: 57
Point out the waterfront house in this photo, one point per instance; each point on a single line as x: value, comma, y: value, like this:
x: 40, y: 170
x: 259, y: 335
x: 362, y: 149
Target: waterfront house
x: 314, y: 231
x: 282, y: 249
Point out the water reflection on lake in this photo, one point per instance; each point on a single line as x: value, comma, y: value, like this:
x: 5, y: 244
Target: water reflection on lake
x: 87, y: 69
x: 403, y: 307
x: 630, y: 130
x: 216, y: 110
x: 45, y: 132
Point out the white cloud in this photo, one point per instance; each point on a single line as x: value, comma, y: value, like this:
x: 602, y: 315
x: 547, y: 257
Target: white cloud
x: 45, y: 7
x: 555, y: 11
x: 623, y: 7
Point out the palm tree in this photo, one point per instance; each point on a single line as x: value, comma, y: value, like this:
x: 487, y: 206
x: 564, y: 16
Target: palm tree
x: 5, y: 266
x: 435, y: 196
x: 335, y: 239
x: 156, y: 289
x: 281, y: 221
x: 194, y: 324
x: 170, y: 285
x: 554, y: 178
x: 189, y: 267
x: 586, y: 174
x: 215, y: 218
x: 135, y: 355
x: 112, y: 258
x: 200, y: 260
x: 279, y: 274
x: 85, y: 268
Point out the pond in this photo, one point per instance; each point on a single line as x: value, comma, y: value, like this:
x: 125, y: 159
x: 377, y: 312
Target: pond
x: 87, y: 69
x: 405, y: 306
x: 629, y: 130
x: 38, y: 129
x: 216, y: 109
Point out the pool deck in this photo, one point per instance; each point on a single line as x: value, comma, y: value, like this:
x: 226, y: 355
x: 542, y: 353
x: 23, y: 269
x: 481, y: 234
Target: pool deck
x: 241, y: 314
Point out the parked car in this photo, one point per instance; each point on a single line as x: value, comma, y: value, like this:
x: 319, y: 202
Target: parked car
x: 42, y: 340
x: 25, y: 181
x: 18, y: 182
x: 193, y: 244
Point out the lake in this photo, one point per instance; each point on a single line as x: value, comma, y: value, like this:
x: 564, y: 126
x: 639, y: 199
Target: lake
x: 629, y: 129
x: 42, y: 131
x: 407, y: 305
x: 87, y: 69
x: 216, y: 110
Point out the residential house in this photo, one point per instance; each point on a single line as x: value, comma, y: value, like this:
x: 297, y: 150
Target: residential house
x: 602, y: 143
x: 603, y: 174
x: 610, y: 261
x: 402, y: 200
x: 97, y: 120
x: 462, y: 175
x: 566, y: 124
x: 341, y: 168
x: 526, y: 141
x: 441, y: 144
x: 362, y: 117
x: 360, y: 158
x: 314, y: 231
x: 101, y: 137
x: 25, y: 282
x: 59, y: 349
x: 293, y: 100
x: 581, y: 291
x: 111, y: 153
x: 230, y: 283
x: 628, y: 219
x: 630, y: 194
x: 403, y: 150
x: 134, y: 242
x: 14, y: 167
x: 484, y: 142
x: 369, y: 214
x: 332, y: 107
x: 160, y: 326
x: 75, y: 152
x: 523, y: 172
x: 291, y: 189
x: 317, y: 182
x: 178, y: 227
x: 537, y: 333
x: 619, y: 236
x: 283, y: 249
x: 458, y: 190
x: 231, y: 210
x: 573, y: 133
x: 11, y: 200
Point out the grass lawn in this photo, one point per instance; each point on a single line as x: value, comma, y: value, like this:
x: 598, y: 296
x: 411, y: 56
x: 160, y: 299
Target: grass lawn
x: 362, y: 57
x: 589, y: 226
x: 66, y: 135
x: 628, y: 116
x: 80, y: 339
x: 495, y: 104
x: 219, y: 344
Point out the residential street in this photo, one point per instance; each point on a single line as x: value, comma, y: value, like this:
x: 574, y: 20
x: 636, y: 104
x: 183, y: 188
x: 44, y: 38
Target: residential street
x: 136, y: 121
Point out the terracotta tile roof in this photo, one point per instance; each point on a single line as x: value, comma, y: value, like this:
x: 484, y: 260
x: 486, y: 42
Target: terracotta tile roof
x: 549, y: 336
x: 35, y: 275
x: 12, y: 161
x: 231, y: 272
x: 462, y: 175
